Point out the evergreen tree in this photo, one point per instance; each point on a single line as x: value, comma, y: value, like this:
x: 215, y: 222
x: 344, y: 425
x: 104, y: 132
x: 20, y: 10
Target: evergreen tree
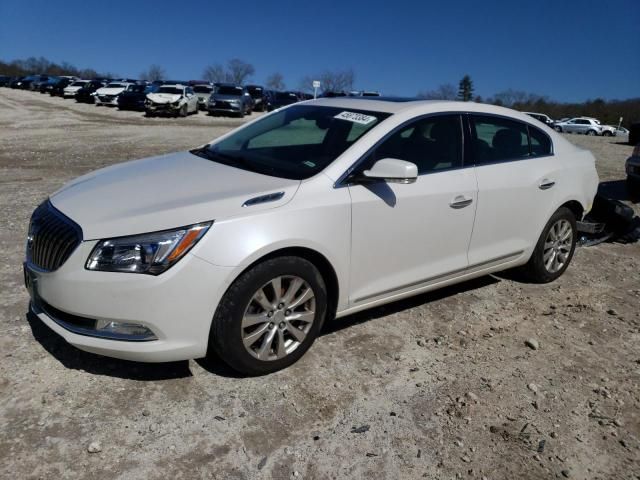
x: 465, y: 89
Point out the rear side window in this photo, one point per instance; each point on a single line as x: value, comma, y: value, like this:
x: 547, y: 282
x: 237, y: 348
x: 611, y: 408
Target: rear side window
x: 540, y: 142
x: 496, y: 139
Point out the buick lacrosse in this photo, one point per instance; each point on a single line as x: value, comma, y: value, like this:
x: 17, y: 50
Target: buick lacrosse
x: 244, y: 247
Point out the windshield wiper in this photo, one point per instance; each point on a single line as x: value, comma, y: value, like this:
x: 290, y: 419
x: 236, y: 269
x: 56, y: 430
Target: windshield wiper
x: 227, y: 159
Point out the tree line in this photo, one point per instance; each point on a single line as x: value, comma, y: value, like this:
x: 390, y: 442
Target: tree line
x: 239, y: 71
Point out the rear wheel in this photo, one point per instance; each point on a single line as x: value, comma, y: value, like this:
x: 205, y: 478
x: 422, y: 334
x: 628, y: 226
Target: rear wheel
x: 591, y: 132
x: 554, y: 249
x: 270, y: 316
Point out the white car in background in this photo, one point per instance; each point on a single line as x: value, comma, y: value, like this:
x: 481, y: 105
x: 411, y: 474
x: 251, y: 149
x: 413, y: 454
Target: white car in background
x: 244, y: 247
x: 108, y: 95
x: 72, y: 89
x: 584, y: 125
x: 203, y: 92
x: 174, y: 100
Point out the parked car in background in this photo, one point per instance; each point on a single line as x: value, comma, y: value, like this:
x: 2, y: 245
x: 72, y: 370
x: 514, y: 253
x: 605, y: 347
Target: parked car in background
x: 134, y: 96
x: 621, y: 132
x: 39, y: 80
x: 280, y: 99
x: 541, y: 117
x: 257, y: 93
x: 242, y: 248
x: 108, y: 94
x: 57, y: 90
x: 203, y: 91
x: 632, y: 168
x: 230, y: 99
x: 87, y: 93
x: 584, y: 125
x: 71, y: 90
x: 174, y: 100
x: 5, y: 80
x: 23, y: 83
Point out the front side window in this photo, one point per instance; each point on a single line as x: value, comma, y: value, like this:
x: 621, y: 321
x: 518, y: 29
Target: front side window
x: 432, y: 143
x: 295, y: 143
x: 496, y: 139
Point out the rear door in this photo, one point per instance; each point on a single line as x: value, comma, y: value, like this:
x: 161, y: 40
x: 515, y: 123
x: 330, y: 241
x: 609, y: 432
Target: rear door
x: 516, y: 191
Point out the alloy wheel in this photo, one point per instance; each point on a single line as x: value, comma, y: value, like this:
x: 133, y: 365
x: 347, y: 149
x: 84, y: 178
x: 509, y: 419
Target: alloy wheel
x: 278, y: 318
x: 557, y: 246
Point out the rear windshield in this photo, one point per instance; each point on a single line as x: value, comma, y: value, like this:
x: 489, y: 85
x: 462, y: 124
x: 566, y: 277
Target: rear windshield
x: 229, y: 91
x: 295, y: 143
x: 286, y: 96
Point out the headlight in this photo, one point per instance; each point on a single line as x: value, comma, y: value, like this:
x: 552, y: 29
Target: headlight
x: 150, y: 253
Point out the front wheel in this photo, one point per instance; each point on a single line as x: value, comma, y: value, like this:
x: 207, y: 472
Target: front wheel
x: 558, y: 129
x: 606, y: 134
x: 554, y: 249
x: 269, y: 316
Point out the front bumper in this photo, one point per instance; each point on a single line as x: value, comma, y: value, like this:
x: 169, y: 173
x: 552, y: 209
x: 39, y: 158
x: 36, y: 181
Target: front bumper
x: 162, y: 108
x: 106, y: 100
x: 177, y: 306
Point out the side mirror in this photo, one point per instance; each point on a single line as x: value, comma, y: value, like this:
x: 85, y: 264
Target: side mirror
x: 392, y: 170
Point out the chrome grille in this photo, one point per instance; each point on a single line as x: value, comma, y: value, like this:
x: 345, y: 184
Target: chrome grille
x: 52, y: 238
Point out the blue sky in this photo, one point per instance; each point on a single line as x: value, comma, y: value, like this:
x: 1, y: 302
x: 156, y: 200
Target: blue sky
x: 568, y: 50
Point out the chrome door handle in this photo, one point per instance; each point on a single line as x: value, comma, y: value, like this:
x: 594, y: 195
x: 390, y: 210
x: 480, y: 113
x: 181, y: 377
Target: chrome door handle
x: 460, y: 202
x: 546, y: 184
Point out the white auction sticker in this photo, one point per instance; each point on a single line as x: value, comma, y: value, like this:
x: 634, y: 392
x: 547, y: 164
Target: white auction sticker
x: 356, y: 118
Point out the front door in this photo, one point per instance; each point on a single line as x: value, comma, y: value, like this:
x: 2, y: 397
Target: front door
x: 405, y: 236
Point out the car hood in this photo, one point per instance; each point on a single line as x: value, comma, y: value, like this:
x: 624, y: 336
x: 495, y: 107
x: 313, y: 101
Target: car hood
x: 164, y: 192
x: 109, y: 91
x: 163, y: 97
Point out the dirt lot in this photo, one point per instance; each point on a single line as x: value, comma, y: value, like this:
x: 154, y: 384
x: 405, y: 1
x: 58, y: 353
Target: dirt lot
x: 439, y: 386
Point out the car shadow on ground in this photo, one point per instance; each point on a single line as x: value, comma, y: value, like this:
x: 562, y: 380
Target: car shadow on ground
x: 407, y: 303
x: 76, y: 359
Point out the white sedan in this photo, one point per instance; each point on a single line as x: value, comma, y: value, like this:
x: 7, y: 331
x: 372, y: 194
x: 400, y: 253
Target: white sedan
x: 175, y: 100
x: 246, y: 246
x: 108, y: 95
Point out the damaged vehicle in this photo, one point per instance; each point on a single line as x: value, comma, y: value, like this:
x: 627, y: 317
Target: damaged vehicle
x: 134, y: 97
x: 241, y: 249
x: 171, y: 100
x: 71, y: 90
x: 108, y: 94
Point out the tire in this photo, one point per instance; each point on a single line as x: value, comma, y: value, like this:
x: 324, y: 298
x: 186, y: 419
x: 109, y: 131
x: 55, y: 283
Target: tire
x: 241, y: 114
x: 147, y: 113
x: 558, y: 129
x: 591, y: 133
x: 606, y: 133
x: 184, y: 110
x: 228, y: 335
x: 633, y: 185
x: 535, y: 270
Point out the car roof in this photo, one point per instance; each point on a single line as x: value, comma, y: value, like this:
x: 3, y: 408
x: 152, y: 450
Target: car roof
x: 398, y: 104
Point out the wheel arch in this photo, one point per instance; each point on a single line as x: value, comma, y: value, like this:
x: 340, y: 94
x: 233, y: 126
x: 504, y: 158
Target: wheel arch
x: 320, y: 261
x: 576, y: 208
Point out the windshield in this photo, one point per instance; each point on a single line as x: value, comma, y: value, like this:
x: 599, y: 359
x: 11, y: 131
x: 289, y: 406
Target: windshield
x: 171, y: 90
x: 295, y: 143
x: 229, y: 91
x: 202, y: 89
x: 78, y: 84
x: 136, y: 88
x: 115, y: 85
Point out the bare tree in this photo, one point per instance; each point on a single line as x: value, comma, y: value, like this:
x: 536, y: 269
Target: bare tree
x: 465, y: 89
x: 238, y: 71
x: 215, y: 73
x: 155, y: 72
x: 444, y: 92
x: 275, y: 81
x: 330, y: 81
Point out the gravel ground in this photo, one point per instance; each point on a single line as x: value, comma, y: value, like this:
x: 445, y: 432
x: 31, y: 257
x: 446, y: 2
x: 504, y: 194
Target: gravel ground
x: 440, y: 386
